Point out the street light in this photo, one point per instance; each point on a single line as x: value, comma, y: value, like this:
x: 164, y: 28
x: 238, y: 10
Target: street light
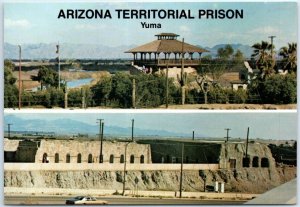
x: 124, y: 173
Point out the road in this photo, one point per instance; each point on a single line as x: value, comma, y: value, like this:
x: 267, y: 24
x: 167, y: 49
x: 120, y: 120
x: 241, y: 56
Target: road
x: 118, y: 200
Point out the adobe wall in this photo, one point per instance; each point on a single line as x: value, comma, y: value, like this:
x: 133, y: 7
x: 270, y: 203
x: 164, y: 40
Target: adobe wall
x: 168, y: 151
x: 233, y: 156
x: 90, y: 151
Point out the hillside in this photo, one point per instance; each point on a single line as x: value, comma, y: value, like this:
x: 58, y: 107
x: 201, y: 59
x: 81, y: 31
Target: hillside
x: 91, y: 51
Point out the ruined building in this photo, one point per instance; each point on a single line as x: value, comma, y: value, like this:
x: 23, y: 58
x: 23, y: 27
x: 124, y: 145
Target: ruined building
x: 227, y: 155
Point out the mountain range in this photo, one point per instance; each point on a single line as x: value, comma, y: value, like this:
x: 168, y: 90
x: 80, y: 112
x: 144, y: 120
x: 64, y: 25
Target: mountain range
x: 71, y: 127
x: 91, y: 51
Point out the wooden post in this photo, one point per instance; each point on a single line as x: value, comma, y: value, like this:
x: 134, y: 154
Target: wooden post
x: 167, y: 85
x: 182, y: 76
x: 66, y: 99
x: 82, y: 98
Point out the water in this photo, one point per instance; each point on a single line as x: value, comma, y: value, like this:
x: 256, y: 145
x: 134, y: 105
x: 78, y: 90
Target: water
x: 79, y: 82
x: 72, y: 84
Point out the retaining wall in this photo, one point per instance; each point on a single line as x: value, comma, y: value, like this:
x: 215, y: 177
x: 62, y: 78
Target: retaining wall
x: 104, y: 167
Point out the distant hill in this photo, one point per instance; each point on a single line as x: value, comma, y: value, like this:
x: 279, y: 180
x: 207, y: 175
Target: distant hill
x: 71, y: 127
x: 67, y: 51
x: 90, y: 51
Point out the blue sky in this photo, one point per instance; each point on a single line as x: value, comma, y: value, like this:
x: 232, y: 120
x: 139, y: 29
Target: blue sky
x: 279, y: 125
x: 38, y: 23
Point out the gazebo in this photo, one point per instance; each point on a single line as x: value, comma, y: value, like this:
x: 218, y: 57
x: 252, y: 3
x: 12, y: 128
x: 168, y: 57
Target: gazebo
x: 166, y: 50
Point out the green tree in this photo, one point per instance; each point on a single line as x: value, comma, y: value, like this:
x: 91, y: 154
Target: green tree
x: 102, y: 90
x: 264, y: 59
x: 238, y: 56
x: 278, y: 89
x: 47, y: 78
x: 121, y: 93
x: 226, y: 52
x: 289, y: 55
x: 10, y: 90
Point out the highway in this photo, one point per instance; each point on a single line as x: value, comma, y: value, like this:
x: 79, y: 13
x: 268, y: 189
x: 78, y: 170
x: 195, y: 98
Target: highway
x: 117, y: 200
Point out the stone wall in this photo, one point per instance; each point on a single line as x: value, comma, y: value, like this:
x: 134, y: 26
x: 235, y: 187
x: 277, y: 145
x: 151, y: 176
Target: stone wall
x: 167, y: 151
x: 89, y: 151
x: 233, y: 155
x: 75, y: 151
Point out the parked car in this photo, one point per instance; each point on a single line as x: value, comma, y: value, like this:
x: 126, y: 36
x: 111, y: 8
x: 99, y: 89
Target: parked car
x: 85, y: 200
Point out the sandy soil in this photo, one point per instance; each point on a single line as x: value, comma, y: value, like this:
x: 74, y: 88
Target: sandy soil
x: 28, y: 83
x: 232, y: 106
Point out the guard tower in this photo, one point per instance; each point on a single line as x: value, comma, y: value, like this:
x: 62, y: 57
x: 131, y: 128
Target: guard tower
x: 166, y: 50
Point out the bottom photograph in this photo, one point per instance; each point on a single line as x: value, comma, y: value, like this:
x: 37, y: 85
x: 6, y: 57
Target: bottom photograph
x: 183, y: 158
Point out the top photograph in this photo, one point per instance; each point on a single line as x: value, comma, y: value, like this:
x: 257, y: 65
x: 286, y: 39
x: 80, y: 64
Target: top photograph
x: 155, y: 55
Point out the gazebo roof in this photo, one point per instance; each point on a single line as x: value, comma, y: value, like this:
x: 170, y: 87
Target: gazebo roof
x: 167, y: 45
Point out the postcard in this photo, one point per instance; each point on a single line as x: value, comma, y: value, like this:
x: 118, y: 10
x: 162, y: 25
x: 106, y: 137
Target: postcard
x: 153, y: 103
x: 151, y: 55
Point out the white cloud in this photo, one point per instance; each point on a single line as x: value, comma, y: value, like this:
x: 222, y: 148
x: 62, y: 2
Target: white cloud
x: 21, y: 23
x: 185, y: 31
x: 89, y: 27
x: 265, y: 30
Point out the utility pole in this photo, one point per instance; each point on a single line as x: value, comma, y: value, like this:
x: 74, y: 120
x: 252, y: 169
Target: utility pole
x: 227, y: 137
x: 132, y: 128
x: 58, y: 59
x: 8, y: 126
x: 20, y: 84
x: 101, y: 155
x: 247, y: 142
x: 272, y: 37
x: 100, y: 139
x: 181, y: 169
x: 133, y: 93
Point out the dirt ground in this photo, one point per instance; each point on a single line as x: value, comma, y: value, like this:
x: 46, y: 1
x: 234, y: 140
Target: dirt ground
x: 232, y: 106
x: 29, y: 84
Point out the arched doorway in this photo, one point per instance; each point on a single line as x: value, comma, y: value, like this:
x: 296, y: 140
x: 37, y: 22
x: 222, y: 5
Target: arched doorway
x: 79, y: 158
x: 111, y: 159
x: 90, y: 158
x: 68, y: 158
x: 255, y: 162
x: 56, y: 158
x: 122, y: 159
x: 45, y: 158
x: 142, y: 159
x: 264, y: 162
x: 132, y: 159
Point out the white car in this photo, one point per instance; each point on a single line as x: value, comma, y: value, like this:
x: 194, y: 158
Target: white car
x: 85, y: 200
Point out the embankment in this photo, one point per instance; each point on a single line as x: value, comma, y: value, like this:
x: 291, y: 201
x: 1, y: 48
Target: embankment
x: 246, y: 180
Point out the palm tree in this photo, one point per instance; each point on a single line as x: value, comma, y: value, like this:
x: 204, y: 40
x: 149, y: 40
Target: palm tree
x: 289, y: 55
x: 264, y: 59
